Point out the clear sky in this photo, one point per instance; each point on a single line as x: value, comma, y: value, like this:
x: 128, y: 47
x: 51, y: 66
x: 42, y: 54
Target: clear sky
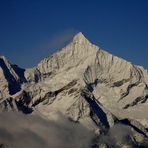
x: 32, y: 29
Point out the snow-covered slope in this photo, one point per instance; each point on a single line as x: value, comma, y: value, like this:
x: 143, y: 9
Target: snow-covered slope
x: 85, y: 83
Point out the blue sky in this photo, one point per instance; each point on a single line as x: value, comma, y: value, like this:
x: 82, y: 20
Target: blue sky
x: 33, y: 29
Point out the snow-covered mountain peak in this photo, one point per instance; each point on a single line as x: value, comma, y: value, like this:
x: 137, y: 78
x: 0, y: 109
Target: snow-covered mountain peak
x: 80, y: 38
x: 1, y: 56
x: 85, y: 83
x: 4, y: 59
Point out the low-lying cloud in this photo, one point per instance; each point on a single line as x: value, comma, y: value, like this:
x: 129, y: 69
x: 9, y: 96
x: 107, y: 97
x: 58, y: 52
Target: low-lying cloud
x: 19, y: 130
x: 121, y: 135
x: 118, y: 134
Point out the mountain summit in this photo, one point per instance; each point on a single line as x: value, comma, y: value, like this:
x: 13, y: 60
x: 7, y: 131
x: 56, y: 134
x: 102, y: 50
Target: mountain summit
x: 80, y: 38
x: 86, y: 84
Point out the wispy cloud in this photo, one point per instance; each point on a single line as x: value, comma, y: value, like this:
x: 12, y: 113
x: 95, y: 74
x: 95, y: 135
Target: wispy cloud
x: 59, y: 40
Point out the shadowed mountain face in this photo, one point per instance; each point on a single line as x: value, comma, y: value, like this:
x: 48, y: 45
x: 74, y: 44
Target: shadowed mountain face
x: 88, y: 85
x: 20, y: 72
x: 13, y: 85
x: 13, y: 75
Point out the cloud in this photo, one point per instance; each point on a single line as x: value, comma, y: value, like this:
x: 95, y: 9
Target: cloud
x: 121, y: 135
x: 19, y: 130
x: 59, y: 40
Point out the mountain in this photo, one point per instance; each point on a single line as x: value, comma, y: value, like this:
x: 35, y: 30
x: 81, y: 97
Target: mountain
x: 83, y: 82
